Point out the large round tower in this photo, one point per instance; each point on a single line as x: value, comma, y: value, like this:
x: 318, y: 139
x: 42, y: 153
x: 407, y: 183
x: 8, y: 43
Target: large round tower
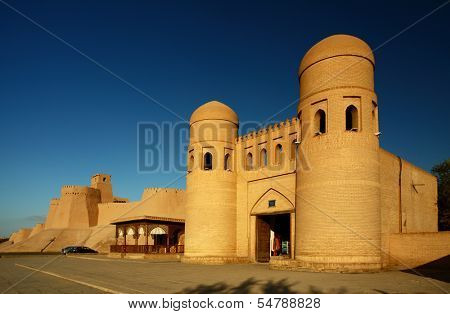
x: 211, y: 185
x: 338, y: 191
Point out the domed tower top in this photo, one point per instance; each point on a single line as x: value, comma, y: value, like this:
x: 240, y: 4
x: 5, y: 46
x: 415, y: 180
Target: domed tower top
x: 334, y: 46
x: 214, y: 110
x: 338, y: 61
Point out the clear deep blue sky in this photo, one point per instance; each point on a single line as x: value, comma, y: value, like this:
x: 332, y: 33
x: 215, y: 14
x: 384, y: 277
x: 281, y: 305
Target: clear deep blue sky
x: 64, y: 119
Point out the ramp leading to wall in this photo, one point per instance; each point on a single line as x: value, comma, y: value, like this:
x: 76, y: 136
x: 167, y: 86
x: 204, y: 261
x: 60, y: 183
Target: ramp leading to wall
x: 101, y: 238
x: 5, y: 244
x: 69, y: 237
x: 34, y: 243
x: 98, y: 238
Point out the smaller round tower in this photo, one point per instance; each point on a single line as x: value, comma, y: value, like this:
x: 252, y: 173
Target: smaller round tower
x: 211, y: 185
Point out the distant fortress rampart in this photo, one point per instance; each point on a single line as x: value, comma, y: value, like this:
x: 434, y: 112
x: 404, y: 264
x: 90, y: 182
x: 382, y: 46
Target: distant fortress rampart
x: 314, y: 192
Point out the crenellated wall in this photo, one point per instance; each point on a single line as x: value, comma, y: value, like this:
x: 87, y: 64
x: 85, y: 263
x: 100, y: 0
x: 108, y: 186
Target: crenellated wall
x: 284, y: 133
x: 76, y: 208
x: 168, y: 192
x: 117, y: 199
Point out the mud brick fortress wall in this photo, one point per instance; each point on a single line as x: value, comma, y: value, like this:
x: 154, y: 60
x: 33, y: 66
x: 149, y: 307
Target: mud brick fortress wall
x: 351, y: 205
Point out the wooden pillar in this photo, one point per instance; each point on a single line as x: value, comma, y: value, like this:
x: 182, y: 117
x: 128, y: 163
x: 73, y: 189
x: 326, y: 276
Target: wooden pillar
x: 136, y: 234
x: 168, y: 239
x: 117, y: 235
x: 292, y: 233
x: 125, y: 231
x: 124, y: 248
x: 146, y: 234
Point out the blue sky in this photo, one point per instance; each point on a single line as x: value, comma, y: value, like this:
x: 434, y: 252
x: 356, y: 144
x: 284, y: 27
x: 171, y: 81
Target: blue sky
x: 63, y: 118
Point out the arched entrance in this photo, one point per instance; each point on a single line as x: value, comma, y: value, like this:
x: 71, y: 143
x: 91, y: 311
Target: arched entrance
x: 273, y: 237
x: 159, y: 236
x: 273, y: 232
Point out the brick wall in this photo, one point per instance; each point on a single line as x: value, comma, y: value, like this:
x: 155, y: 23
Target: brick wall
x: 408, y: 250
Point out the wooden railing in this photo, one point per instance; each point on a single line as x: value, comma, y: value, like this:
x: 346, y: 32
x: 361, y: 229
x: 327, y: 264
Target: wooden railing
x: 147, y: 249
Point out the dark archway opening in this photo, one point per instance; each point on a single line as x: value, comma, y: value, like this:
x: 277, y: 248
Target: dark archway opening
x: 207, y: 162
x: 272, y: 237
x: 351, y: 118
x: 320, y: 122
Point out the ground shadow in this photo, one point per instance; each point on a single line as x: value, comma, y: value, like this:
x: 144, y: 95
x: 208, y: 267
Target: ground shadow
x: 251, y: 285
x: 438, y: 269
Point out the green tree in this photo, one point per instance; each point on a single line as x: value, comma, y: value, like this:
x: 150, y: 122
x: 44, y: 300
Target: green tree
x: 442, y: 172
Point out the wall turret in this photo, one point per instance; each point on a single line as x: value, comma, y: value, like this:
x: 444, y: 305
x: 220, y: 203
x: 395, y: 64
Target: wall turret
x: 102, y: 182
x: 338, y: 193
x: 77, y: 208
x: 211, y: 185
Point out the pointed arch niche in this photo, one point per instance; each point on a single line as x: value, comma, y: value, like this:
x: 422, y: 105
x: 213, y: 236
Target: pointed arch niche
x: 272, y: 202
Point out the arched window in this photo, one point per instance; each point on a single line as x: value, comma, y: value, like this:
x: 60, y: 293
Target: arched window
x: 299, y: 127
x: 227, y: 162
x: 278, y: 152
x: 263, y: 157
x: 207, y: 161
x: 249, y: 162
x: 191, y: 163
x: 375, y: 117
x: 319, y: 122
x: 293, y: 149
x: 351, y: 118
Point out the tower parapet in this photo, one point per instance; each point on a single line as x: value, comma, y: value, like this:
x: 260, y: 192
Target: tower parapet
x: 77, y: 190
x: 273, y: 130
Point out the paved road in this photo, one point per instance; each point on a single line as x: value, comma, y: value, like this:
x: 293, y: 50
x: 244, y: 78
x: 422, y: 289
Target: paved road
x: 99, y: 274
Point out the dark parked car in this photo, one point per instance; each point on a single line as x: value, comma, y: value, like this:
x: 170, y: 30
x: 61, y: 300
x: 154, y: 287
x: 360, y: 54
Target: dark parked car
x: 77, y: 249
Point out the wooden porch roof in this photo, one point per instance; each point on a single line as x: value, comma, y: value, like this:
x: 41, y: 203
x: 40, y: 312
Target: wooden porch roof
x: 145, y: 218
